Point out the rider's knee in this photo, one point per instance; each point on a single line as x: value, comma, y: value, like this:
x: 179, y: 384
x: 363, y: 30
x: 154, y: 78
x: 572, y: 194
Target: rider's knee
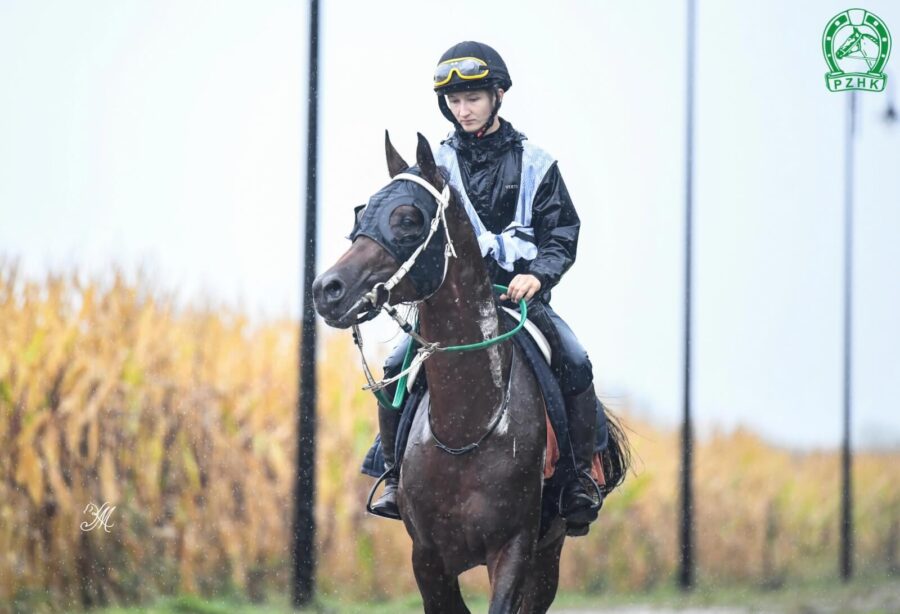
x: 393, y: 364
x: 576, y: 375
x: 394, y: 361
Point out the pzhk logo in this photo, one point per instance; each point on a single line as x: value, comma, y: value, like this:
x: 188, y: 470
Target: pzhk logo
x: 856, y: 45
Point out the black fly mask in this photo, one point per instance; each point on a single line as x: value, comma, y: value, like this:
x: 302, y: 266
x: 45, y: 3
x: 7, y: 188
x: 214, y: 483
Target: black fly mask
x: 373, y: 220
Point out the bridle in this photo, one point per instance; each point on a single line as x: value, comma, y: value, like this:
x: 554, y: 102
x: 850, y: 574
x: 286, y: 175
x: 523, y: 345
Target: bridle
x: 381, y: 292
x: 377, y: 300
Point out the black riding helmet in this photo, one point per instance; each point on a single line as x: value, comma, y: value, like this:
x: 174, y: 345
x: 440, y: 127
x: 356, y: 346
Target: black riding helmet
x: 470, y: 66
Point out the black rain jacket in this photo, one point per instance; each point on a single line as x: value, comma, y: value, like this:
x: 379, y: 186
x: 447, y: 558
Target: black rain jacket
x: 491, y: 168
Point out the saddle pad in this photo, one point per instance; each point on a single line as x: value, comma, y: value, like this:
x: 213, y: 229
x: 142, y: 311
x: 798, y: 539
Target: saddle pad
x: 534, y: 332
x: 552, y: 457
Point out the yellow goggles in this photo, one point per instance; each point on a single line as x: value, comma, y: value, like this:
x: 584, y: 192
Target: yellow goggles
x: 465, y: 68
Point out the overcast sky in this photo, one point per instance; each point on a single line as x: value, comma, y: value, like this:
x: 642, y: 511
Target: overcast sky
x: 172, y: 134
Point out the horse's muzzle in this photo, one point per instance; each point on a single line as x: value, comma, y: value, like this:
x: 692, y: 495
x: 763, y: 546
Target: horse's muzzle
x: 330, y: 296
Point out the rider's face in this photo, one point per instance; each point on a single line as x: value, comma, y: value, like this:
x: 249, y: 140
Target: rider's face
x: 472, y: 109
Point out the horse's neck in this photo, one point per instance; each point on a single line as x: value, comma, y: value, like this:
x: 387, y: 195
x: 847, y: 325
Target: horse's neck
x: 465, y: 386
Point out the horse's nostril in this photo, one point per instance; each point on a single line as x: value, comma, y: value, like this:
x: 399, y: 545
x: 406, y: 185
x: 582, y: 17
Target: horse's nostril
x: 334, y: 290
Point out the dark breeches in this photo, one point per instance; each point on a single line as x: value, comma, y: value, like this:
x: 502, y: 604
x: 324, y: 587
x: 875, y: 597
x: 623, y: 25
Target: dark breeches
x: 570, y: 362
x: 395, y: 360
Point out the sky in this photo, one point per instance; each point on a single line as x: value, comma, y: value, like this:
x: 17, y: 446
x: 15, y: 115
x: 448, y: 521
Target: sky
x: 171, y: 135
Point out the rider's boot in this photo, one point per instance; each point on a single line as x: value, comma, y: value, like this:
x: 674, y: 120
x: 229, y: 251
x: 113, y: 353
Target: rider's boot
x: 580, y: 500
x: 386, y: 505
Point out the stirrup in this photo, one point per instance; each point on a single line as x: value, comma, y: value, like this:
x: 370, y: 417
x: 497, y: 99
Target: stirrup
x: 595, y: 507
x: 369, y: 507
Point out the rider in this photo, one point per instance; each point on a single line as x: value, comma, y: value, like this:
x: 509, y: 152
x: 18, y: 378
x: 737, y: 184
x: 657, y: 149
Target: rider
x: 528, y: 235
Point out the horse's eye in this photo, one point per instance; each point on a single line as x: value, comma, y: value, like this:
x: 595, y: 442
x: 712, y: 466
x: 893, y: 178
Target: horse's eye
x: 406, y: 221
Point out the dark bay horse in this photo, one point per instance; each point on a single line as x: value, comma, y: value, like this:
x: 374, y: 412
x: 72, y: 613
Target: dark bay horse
x: 464, y: 510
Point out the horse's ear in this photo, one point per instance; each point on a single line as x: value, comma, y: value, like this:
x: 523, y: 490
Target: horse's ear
x: 427, y: 165
x: 396, y: 164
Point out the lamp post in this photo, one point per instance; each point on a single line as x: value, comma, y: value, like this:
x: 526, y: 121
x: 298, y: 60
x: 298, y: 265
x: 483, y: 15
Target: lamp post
x: 304, y: 525
x: 890, y: 110
x: 686, y: 533
x: 846, y: 556
x: 889, y: 116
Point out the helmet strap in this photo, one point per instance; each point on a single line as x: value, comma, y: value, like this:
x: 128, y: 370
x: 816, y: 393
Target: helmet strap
x: 494, y: 111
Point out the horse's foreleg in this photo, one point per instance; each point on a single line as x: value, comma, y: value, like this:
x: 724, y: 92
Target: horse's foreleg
x: 508, y: 568
x: 540, y: 590
x: 440, y: 591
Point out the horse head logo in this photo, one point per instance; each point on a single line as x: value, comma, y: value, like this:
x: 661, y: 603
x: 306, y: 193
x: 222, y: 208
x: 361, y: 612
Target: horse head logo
x: 856, y: 44
x: 853, y: 47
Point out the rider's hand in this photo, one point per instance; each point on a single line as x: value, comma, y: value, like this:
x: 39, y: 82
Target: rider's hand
x: 522, y: 286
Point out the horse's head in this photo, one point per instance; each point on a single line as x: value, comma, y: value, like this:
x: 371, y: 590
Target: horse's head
x: 850, y: 45
x: 394, y: 224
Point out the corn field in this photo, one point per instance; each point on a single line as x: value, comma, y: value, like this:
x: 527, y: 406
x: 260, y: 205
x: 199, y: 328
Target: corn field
x: 184, y: 420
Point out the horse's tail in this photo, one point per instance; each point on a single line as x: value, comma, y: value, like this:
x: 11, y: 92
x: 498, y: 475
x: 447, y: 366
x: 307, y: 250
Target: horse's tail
x: 616, y: 458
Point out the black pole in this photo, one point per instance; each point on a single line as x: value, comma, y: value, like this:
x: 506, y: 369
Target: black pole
x: 304, y: 542
x: 846, y: 455
x: 890, y: 111
x: 686, y: 571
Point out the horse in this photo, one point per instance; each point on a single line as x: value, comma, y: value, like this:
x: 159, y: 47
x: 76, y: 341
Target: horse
x: 461, y: 510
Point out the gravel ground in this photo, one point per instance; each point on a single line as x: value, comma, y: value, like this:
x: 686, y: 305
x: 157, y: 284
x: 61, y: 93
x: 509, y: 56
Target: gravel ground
x: 647, y: 610
x: 859, y: 599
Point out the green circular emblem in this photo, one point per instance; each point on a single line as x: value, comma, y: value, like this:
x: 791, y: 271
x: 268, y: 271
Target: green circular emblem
x: 856, y: 44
